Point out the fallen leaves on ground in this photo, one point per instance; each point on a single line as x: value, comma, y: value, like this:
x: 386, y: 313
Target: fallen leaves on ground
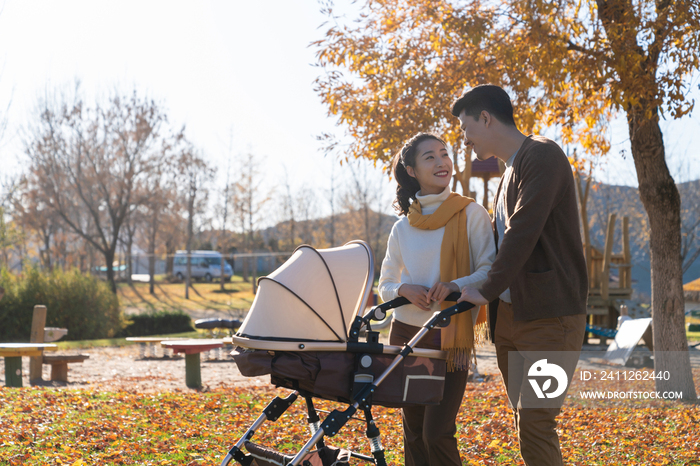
x: 47, y: 426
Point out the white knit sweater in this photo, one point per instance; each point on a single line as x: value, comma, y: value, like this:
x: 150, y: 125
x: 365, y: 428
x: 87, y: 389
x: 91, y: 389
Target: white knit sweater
x: 413, y: 256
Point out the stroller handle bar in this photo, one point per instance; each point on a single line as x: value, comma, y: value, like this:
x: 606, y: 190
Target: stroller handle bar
x: 401, y: 301
x: 378, y: 313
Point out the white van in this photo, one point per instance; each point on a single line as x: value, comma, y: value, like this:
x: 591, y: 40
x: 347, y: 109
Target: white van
x: 205, y: 265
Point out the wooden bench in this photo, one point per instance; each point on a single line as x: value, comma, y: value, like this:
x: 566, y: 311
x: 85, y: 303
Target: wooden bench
x: 13, y: 352
x: 192, y: 349
x: 59, y: 364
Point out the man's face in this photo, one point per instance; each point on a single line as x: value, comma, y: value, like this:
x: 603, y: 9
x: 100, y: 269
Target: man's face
x: 474, y: 134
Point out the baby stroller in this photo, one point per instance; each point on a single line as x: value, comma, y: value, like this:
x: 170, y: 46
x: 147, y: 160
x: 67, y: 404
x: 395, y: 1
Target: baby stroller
x: 304, y: 330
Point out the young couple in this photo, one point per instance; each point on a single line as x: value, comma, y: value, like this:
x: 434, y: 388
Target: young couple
x: 526, y: 263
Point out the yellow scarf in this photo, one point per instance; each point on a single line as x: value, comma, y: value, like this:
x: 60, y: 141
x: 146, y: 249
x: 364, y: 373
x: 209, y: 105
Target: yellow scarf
x: 458, y: 338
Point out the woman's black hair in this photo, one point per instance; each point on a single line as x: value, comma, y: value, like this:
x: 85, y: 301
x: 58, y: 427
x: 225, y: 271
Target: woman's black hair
x: 407, y: 185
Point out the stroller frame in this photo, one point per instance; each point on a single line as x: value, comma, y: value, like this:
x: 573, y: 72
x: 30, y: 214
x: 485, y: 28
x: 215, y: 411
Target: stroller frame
x: 362, y: 400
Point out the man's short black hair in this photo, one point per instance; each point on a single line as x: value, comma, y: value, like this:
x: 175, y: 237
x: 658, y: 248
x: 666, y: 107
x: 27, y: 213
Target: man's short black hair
x: 487, y: 97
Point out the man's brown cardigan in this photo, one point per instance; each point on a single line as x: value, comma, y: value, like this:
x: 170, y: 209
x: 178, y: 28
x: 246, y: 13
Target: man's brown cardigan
x: 541, y: 257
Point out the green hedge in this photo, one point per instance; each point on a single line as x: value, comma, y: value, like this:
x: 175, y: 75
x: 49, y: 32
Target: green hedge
x: 81, y: 303
x: 158, y: 323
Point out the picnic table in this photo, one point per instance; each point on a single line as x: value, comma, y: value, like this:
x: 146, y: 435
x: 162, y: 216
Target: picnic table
x: 192, y: 349
x: 13, y: 352
x: 149, y: 342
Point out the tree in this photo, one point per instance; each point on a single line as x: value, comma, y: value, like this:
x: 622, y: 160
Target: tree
x: 36, y: 217
x: 173, y: 232
x: 9, y: 237
x: 131, y: 225
x: 365, y: 202
x: 195, y: 174
x: 306, y: 206
x: 11, y: 233
x: 162, y: 200
x: 251, y: 199
x: 569, y: 65
x: 223, y: 239
x: 288, y: 208
x: 331, y: 194
x: 88, y: 161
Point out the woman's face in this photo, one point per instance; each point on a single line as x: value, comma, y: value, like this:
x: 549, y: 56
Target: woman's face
x: 433, y: 167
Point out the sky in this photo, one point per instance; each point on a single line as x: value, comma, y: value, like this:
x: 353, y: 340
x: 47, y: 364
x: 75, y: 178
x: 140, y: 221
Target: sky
x: 241, y: 68
x: 236, y: 70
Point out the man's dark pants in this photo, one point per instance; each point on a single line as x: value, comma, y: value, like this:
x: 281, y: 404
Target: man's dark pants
x: 536, y: 427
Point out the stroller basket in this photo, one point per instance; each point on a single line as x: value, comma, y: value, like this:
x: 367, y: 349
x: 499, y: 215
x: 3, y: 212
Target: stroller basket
x: 303, y: 330
x: 332, y: 375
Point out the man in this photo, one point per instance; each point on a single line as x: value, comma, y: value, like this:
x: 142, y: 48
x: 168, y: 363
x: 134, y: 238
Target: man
x: 538, y: 284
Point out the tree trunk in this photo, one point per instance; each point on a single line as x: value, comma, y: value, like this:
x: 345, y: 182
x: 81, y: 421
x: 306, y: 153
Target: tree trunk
x: 190, y: 228
x: 292, y: 233
x: 169, y: 256
x: 130, y: 257
x: 109, y: 259
x: 223, y: 269
x: 244, y: 270
x: 462, y: 176
x: 152, y: 255
x: 661, y: 200
x: 91, y: 258
x: 583, y: 210
x: 188, y: 278
x: 223, y: 252
x: 47, y: 250
x: 255, y: 274
x: 365, y: 215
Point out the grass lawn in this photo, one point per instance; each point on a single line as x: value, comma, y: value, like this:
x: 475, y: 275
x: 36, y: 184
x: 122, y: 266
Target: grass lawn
x: 46, y: 426
x: 236, y: 298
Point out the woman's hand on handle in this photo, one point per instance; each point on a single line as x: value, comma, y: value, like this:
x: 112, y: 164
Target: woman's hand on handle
x: 417, y: 294
x: 473, y: 296
x: 441, y: 290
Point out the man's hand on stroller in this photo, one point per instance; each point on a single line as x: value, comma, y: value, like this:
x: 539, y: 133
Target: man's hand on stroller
x: 441, y: 290
x: 473, y: 296
x: 417, y: 294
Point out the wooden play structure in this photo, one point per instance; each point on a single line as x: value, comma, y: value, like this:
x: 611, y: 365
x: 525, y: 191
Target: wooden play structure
x: 606, y: 292
x: 481, y: 169
x: 485, y: 170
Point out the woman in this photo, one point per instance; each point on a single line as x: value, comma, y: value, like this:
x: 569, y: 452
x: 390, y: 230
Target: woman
x: 442, y: 243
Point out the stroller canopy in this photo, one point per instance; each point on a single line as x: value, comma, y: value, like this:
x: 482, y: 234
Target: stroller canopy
x: 314, y: 296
